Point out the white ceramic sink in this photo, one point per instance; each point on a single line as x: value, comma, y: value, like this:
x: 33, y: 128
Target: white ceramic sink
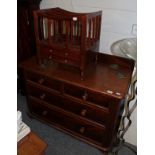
x: 125, y: 48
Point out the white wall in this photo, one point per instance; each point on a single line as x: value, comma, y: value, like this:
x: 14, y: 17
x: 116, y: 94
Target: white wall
x: 118, y: 17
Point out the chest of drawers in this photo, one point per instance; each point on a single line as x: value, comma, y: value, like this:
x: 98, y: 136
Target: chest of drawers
x: 89, y: 110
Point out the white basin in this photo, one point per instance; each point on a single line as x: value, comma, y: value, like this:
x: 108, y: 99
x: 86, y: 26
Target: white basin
x: 125, y: 48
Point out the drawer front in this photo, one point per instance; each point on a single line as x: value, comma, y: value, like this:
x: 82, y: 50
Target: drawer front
x: 66, y: 53
x: 45, y: 50
x: 58, y: 119
x: 73, y: 55
x: 98, y: 99
x: 74, y: 91
x: 41, y: 80
x: 89, y: 97
x: 78, y: 108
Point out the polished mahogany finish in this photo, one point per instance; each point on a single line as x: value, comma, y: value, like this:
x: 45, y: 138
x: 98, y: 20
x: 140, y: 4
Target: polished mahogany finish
x: 66, y: 37
x: 89, y: 109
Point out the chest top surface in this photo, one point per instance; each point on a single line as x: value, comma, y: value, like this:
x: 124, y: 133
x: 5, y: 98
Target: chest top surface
x: 110, y: 76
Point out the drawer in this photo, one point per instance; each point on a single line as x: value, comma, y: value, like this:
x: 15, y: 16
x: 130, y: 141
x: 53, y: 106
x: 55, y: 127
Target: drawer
x: 81, y: 109
x: 61, y: 59
x: 63, y: 56
x: 74, y: 91
x: 44, y: 95
x: 98, y: 99
x: 65, y: 122
x: 51, y: 54
x: 90, y: 97
x: 72, y: 55
x: 38, y: 79
x: 47, y: 51
x: 64, y: 60
x: 65, y: 53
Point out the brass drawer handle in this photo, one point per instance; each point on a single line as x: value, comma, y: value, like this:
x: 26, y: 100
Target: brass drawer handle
x: 42, y: 96
x: 44, y: 113
x: 83, y: 112
x: 82, y: 130
x: 41, y: 81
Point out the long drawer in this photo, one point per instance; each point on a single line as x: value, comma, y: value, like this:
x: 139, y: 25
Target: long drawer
x: 79, y: 108
x: 79, y: 127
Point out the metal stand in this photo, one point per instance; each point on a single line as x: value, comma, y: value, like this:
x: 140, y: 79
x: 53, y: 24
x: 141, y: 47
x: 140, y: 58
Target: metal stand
x: 132, y: 95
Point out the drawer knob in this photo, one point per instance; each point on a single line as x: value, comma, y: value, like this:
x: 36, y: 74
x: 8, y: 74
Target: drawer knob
x: 66, y: 60
x: 50, y: 50
x: 85, y: 96
x: 82, y: 130
x: 83, y: 112
x: 42, y: 96
x: 44, y: 113
x: 50, y: 57
x: 41, y: 81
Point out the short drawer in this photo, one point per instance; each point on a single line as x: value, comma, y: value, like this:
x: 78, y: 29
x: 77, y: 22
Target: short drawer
x: 73, y: 55
x: 90, y: 97
x: 38, y: 79
x: 62, y: 121
x: 61, y: 59
x: 98, y: 99
x: 65, y: 53
x: 47, y: 51
x: 74, y: 91
x: 64, y: 56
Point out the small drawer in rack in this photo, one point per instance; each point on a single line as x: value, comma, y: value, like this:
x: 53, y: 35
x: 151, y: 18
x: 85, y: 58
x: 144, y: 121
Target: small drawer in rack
x: 59, y: 119
x: 73, y: 55
x: 38, y: 79
x: 46, y: 51
x: 63, y: 56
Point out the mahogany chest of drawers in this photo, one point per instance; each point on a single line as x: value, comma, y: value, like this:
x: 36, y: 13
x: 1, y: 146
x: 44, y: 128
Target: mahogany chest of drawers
x: 89, y: 109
